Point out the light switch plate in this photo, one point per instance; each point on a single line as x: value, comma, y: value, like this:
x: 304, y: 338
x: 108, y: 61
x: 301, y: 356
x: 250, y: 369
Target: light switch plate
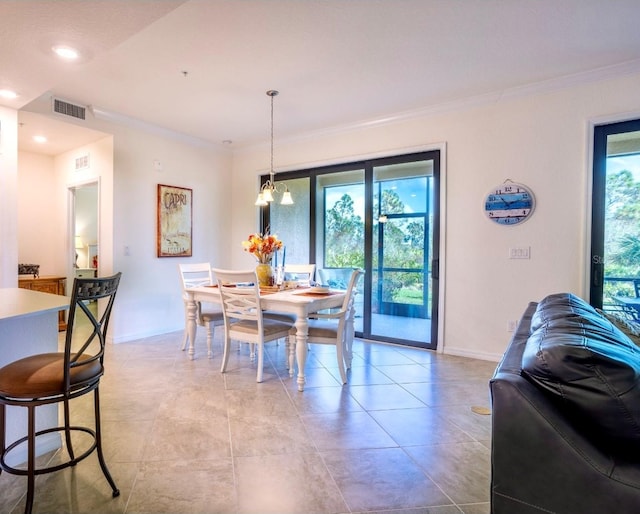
x: 520, y: 252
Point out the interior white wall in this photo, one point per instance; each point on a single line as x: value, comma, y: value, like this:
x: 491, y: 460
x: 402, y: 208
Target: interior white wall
x: 149, y: 299
x: 100, y: 170
x: 9, y: 189
x: 540, y: 139
x: 38, y: 230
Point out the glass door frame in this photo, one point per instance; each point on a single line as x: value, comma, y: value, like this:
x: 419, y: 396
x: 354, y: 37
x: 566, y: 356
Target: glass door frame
x: 601, y: 132
x: 388, y: 307
x: 368, y: 166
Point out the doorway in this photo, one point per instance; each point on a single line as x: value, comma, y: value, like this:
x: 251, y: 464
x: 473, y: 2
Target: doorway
x: 615, y: 227
x: 400, y: 258
x: 402, y: 290
x: 380, y: 215
x: 84, y: 224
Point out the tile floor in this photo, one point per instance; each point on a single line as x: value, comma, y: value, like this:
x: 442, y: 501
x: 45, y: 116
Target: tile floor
x: 180, y: 437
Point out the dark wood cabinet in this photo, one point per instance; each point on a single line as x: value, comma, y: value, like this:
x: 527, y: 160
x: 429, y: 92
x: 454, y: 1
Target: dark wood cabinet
x: 53, y: 285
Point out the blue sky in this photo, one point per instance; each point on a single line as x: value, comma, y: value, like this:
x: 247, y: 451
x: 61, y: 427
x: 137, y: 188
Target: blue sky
x: 629, y: 162
x: 413, y: 200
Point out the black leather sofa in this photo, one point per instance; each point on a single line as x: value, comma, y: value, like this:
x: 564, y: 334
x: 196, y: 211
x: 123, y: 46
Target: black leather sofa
x: 566, y: 414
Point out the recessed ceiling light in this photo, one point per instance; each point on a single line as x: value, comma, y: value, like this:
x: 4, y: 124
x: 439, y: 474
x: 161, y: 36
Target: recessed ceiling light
x: 66, y: 52
x: 8, y: 94
x: 40, y: 139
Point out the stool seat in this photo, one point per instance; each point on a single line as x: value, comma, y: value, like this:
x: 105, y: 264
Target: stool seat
x: 43, y: 375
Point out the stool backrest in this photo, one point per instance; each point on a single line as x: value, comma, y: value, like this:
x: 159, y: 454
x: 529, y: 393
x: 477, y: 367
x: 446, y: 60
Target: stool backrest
x: 84, y: 351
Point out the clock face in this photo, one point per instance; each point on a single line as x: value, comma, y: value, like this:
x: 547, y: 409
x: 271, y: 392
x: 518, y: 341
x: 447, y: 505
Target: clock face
x: 509, y: 204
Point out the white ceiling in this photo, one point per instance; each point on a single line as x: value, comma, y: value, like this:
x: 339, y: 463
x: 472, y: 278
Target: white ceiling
x: 336, y: 63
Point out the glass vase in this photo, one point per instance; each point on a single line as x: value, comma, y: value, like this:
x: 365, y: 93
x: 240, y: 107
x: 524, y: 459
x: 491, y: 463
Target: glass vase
x: 265, y: 274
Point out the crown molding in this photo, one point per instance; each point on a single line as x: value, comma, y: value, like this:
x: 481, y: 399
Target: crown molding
x: 127, y: 121
x: 545, y: 86
x: 575, y: 79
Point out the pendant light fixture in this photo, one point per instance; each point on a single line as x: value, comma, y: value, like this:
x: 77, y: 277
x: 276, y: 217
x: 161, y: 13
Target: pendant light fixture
x: 269, y: 188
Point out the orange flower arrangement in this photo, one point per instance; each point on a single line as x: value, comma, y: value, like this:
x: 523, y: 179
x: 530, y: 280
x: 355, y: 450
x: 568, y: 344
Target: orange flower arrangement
x: 262, y: 247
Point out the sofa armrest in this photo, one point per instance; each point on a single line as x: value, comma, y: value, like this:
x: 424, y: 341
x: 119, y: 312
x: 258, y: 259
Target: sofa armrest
x: 540, y: 461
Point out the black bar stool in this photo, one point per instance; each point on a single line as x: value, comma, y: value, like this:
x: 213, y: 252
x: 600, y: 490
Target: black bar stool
x: 50, y: 378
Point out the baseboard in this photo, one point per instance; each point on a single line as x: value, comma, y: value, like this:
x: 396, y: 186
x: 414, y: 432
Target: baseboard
x: 134, y: 336
x: 463, y: 352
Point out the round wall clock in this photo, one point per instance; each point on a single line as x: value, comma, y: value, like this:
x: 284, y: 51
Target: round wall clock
x: 509, y: 203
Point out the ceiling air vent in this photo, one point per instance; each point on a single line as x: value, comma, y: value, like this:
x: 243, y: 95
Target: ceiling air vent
x: 69, y: 109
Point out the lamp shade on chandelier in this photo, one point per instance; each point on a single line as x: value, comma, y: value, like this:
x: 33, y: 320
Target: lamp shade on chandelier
x: 270, y: 188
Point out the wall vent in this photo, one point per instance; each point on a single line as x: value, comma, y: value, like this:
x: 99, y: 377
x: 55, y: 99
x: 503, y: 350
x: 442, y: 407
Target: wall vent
x: 82, y: 162
x: 69, y: 109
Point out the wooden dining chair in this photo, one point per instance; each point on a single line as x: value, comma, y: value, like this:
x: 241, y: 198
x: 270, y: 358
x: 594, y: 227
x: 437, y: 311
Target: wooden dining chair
x: 52, y: 378
x: 195, y: 275
x: 243, y: 320
x: 335, y: 328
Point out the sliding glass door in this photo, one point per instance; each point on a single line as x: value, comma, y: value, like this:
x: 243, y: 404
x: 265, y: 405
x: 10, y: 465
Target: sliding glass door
x: 401, y: 306
x: 381, y: 216
x: 615, y: 237
x: 340, y: 228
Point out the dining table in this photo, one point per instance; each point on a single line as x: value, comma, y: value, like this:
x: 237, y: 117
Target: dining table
x: 300, y: 301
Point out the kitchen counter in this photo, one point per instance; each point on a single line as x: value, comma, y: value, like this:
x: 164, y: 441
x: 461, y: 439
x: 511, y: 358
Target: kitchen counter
x: 28, y: 326
x: 16, y: 302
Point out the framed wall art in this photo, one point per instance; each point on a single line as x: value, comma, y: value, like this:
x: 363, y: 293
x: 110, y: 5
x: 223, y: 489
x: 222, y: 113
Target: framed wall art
x: 174, y: 228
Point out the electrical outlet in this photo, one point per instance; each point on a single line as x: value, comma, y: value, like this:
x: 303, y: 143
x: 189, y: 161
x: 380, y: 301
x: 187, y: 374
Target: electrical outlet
x: 512, y: 325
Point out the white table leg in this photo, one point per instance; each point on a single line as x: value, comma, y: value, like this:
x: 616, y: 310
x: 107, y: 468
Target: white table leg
x: 192, y: 309
x: 185, y: 338
x: 302, y: 333
x: 291, y: 354
x: 349, y: 335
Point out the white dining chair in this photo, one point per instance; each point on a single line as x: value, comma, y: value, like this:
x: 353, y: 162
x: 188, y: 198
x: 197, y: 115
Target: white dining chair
x: 335, y: 328
x: 195, y: 275
x: 301, y: 273
x: 243, y: 320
